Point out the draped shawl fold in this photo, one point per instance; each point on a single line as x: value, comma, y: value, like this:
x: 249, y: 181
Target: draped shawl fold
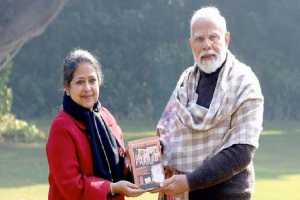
x: 191, y: 133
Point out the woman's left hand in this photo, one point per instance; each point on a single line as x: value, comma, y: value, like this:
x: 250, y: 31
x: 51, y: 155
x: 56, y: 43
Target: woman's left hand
x: 126, y: 188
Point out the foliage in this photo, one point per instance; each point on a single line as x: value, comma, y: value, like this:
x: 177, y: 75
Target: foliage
x: 143, y: 48
x: 12, y: 129
x: 5, y: 91
x: 16, y: 130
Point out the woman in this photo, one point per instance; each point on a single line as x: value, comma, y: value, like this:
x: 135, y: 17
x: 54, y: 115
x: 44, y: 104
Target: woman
x: 85, y: 149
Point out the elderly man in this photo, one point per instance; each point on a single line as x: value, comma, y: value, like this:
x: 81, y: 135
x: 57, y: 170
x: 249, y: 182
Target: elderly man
x: 210, y: 127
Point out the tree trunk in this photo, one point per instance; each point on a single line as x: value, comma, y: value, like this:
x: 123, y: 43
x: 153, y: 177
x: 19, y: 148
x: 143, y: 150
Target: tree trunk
x: 20, y: 21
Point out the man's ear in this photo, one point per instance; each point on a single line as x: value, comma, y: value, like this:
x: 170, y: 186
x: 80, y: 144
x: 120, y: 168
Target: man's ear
x: 227, y: 38
x: 190, y: 42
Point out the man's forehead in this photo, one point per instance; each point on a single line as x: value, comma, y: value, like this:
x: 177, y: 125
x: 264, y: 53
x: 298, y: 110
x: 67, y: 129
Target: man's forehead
x: 203, y: 32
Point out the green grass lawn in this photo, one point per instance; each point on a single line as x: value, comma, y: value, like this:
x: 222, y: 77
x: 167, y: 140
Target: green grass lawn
x: 23, y: 167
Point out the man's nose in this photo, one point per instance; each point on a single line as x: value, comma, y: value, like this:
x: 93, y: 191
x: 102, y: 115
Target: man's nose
x: 207, y: 44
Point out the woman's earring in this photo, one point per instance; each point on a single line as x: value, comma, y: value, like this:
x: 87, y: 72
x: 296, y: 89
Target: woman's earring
x: 67, y: 93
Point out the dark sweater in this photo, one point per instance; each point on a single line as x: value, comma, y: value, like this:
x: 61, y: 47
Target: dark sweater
x: 227, y: 175
x: 206, y: 87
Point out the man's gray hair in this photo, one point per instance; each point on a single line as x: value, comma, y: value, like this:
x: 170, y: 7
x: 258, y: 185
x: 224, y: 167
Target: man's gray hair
x: 210, y: 13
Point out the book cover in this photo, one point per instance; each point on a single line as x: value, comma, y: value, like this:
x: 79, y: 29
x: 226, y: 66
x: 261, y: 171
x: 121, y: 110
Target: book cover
x: 145, y: 158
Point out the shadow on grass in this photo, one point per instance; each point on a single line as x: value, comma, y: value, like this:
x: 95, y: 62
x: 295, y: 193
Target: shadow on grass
x: 278, y: 154
x: 22, y: 165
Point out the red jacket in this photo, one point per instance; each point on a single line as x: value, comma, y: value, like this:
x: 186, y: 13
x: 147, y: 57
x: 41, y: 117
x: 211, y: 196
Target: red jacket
x: 70, y: 160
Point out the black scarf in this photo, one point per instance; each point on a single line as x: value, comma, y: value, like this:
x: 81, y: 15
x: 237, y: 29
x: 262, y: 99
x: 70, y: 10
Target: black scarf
x: 106, y: 160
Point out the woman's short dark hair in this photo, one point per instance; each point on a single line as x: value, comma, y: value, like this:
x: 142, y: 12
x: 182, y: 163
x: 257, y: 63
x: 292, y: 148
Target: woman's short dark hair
x: 76, y: 57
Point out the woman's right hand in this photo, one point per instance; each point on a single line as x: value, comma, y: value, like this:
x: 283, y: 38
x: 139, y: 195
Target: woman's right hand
x: 126, y: 188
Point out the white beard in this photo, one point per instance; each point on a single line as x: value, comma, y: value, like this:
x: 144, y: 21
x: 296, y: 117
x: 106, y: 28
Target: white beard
x: 212, y: 65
